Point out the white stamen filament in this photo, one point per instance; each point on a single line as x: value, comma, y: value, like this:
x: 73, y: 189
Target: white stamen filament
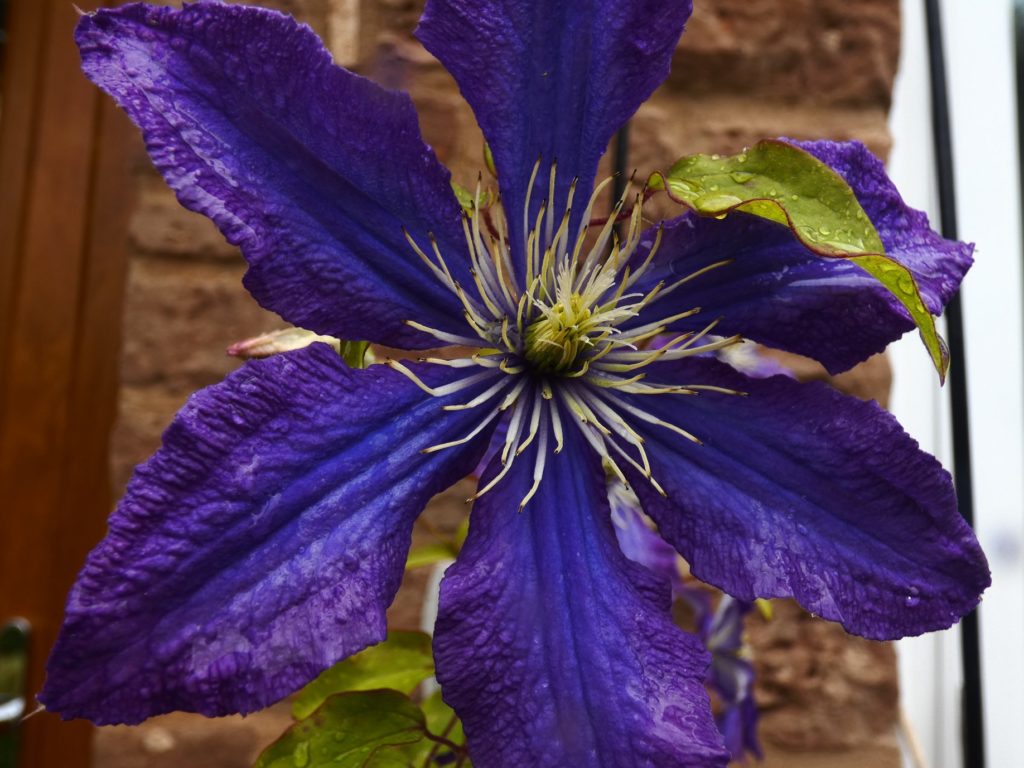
x: 483, y: 397
x: 463, y: 440
x: 538, y: 466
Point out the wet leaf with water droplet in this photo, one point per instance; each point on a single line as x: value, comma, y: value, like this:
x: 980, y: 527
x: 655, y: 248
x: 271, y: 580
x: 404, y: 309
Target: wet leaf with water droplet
x: 350, y: 730
x: 402, y: 662
x: 782, y: 183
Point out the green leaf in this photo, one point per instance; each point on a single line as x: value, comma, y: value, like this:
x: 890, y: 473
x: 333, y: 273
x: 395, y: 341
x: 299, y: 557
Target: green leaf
x: 460, y: 535
x: 354, y: 353
x: 442, y: 720
x: 350, y: 730
x: 782, y: 183
x: 401, y: 662
x: 429, y: 555
x: 466, y: 198
x: 489, y: 160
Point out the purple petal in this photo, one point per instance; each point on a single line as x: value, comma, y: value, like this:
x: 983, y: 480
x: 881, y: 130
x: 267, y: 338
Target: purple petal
x: 260, y: 545
x: 638, y: 542
x: 800, y: 491
x: 738, y: 722
x: 312, y: 170
x: 778, y: 293
x: 553, y: 81
x: 732, y: 678
x: 553, y: 648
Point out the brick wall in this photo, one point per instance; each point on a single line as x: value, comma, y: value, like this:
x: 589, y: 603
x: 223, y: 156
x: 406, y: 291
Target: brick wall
x: 747, y: 69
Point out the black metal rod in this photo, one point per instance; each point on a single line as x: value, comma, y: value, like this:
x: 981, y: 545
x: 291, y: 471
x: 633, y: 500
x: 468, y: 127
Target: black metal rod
x: 620, y: 161
x: 1018, y: 18
x: 973, y: 740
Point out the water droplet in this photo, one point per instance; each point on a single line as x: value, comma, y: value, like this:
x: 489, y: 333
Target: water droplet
x: 801, y: 529
x: 773, y: 192
x: 794, y: 198
x: 301, y: 754
x: 714, y: 202
x: 825, y: 231
x: 913, y: 597
x: 716, y: 157
x: 742, y: 158
x: 741, y: 177
x: 807, y: 233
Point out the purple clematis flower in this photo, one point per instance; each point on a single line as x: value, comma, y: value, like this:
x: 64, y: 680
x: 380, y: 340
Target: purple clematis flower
x: 266, y: 538
x: 720, y: 629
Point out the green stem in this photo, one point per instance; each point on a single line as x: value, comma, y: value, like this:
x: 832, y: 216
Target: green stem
x: 442, y: 740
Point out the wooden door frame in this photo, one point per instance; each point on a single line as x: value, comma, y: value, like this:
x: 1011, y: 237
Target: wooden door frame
x: 65, y: 194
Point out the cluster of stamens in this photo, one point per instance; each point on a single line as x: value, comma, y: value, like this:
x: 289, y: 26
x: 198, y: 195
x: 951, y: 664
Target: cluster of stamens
x: 553, y: 348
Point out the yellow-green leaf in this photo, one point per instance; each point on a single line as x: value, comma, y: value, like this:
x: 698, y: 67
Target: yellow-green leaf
x: 350, y: 730
x: 467, y: 198
x: 401, y: 662
x: 782, y: 183
x: 460, y: 535
x: 429, y: 554
x: 489, y: 160
x: 354, y: 353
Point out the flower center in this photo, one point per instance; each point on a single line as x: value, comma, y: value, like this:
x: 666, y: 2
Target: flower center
x: 555, y: 341
x: 566, y: 342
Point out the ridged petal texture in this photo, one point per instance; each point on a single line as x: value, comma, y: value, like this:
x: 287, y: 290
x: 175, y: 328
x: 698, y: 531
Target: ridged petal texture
x: 779, y: 293
x: 552, y: 80
x: 260, y: 545
x: 800, y: 491
x: 310, y: 169
x: 553, y: 648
